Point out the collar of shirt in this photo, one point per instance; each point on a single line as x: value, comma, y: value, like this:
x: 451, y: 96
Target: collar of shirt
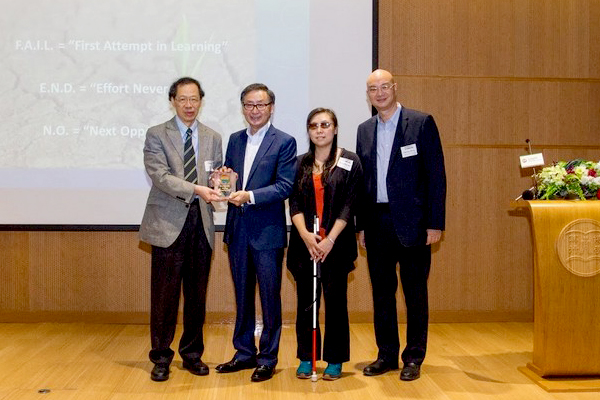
x: 393, y: 120
x: 183, y: 130
x: 259, y: 135
x: 183, y: 127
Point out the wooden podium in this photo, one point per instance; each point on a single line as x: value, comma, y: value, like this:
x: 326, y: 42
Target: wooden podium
x: 566, y: 241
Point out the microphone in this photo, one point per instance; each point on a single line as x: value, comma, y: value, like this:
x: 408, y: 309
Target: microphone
x: 530, y: 152
x: 528, y: 194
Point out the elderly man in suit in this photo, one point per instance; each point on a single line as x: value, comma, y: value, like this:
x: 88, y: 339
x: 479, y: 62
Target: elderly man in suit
x: 403, y: 163
x: 265, y: 160
x: 178, y: 222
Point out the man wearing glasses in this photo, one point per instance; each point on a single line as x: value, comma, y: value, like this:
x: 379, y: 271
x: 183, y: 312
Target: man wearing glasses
x: 178, y: 222
x: 265, y: 160
x: 403, y: 163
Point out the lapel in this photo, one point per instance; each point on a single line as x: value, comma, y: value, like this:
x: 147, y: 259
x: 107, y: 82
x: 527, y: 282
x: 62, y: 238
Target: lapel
x: 262, y: 150
x: 175, y: 136
x: 398, y: 137
x: 203, y: 146
x: 372, y: 139
x: 240, y: 155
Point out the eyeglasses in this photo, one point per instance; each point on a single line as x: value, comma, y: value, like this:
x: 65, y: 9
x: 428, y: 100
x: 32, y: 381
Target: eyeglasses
x: 386, y: 87
x: 183, y: 100
x: 259, y: 107
x: 315, y: 125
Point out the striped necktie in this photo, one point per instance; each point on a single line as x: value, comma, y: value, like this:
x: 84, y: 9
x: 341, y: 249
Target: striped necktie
x: 189, y: 159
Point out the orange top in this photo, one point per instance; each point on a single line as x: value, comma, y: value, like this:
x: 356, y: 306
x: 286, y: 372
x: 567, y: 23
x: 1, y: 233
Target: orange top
x: 319, y: 197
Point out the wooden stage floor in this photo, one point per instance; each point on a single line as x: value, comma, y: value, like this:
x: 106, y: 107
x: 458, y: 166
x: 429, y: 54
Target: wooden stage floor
x: 109, y: 362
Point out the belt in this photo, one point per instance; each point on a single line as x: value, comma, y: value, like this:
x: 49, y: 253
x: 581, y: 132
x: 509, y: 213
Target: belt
x: 382, y: 207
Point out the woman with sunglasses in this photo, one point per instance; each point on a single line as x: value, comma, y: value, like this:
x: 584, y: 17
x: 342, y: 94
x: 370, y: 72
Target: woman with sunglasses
x: 327, y: 185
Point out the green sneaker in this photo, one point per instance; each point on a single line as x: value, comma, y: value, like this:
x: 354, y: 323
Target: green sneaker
x: 332, y: 372
x: 304, y: 370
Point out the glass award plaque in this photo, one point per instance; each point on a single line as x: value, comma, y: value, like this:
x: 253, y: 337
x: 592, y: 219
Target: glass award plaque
x: 224, y: 182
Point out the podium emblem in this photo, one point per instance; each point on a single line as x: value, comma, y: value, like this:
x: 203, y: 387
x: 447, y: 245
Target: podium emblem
x: 578, y: 247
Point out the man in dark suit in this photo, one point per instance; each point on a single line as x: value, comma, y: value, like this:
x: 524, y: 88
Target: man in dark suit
x: 178, y: 223
x: 403, y: 163
x: 265, y: 160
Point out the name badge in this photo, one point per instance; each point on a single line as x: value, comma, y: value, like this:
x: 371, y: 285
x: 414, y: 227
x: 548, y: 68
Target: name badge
x: 345, y: 163
x: 532, y: 160
x: 208, y: 166
x: 409, y: 151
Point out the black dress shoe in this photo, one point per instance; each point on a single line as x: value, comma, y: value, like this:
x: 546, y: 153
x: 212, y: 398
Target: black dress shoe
x: 410, y: 372
x: 196, y: 367
x: 235, y: 365
x: 262, y: 373
x: 379, y: 367
x: 160, y: 372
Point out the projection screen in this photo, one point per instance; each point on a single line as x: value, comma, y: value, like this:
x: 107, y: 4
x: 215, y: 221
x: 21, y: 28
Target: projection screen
x: 82, y: 81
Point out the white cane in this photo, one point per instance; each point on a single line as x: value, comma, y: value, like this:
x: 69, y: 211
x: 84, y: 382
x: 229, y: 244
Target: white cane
x: 314, y: 336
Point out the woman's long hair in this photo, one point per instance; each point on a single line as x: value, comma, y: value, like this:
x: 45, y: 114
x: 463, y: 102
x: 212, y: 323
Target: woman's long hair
x: 308, y: 161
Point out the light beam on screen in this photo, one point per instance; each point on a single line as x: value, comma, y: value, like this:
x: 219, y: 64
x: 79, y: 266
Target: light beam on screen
x: 82, y: 82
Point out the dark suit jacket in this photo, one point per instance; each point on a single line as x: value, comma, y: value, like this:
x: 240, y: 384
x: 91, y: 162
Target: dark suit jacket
x: 270, y: 179
x: 416, y: 185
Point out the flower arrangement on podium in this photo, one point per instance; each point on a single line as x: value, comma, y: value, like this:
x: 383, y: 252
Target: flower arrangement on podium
x: 576, y: 179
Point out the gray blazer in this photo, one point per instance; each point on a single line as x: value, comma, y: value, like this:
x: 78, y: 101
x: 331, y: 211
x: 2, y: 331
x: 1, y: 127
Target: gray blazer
x: 170, y: 195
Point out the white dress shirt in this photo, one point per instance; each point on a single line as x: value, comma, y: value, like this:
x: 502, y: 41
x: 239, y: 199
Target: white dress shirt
x: 252, y: 146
